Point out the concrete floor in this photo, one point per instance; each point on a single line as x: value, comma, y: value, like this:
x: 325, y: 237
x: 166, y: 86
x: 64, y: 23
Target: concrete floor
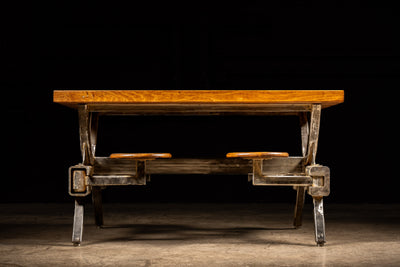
x: 199, y: 235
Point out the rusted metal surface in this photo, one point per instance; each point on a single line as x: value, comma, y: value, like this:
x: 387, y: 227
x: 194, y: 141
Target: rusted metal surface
x: 106, y: 166
x: 259, y: 178
x: 319, y: 221
x: 313, y: 134
x: 320, y: 188
x: 78, y: 180
x: 305, y: 130
x: 115, y: 180
x: 86, y: 133
x: 78, y: 222
x: 321, y: 180
x: 137, y: 177
x: 93, y: 124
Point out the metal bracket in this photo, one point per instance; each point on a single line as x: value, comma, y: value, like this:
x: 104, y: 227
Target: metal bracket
x: 321, y: 180
x: 139, y: 178
x: 281, y: 179
x: 78, y: 180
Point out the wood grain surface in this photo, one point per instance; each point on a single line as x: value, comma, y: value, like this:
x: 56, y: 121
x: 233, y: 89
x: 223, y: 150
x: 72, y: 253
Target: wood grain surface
x: 75, y: 97
x: 257, y: 155
x: 140, y: 155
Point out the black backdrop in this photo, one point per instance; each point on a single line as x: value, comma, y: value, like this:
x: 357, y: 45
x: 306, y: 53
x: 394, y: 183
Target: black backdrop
x: 350, y: 47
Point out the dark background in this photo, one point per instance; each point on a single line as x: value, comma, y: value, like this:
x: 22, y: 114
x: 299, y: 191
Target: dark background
x: 350, y: 47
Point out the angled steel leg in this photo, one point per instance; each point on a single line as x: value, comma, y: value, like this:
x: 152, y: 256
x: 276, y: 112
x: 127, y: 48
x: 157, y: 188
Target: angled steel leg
x: 320, y: 174
x: 81, y: 173
x: 313, y: 134
x: 298, y: 210
x: 87, y: 134
x: 78, y: 222
x: 319, y: 221
x: 319, y: 189
x: 97, y: 204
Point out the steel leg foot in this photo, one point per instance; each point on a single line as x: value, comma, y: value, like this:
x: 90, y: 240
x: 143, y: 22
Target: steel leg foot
x: 298, y: 210
x: 97, y: 204
x: 319, y: 221
x: 78, y: 223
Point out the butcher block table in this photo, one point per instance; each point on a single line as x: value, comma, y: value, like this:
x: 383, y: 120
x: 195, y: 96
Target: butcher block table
x: 263, y: 168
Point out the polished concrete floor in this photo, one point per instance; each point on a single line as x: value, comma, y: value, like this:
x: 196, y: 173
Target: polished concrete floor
x: 168, y: 234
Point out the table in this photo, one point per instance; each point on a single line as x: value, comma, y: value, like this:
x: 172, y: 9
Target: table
x: 302, y: 172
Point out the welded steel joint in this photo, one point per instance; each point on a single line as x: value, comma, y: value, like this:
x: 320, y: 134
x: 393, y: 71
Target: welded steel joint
x: 321, y: 180
x: 78, y: 180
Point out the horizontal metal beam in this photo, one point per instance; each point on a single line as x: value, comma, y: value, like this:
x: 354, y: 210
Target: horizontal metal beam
x: 276, y: 166
x: 289, y: 180
x: 106, y: 180
x: 280, y: 180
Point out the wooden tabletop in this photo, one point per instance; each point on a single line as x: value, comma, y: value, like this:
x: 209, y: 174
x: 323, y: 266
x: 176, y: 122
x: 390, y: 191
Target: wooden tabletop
x: 247, y: 100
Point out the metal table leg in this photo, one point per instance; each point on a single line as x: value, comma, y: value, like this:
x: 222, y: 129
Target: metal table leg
x: 78, y: 222
x: 319, y: 189
x: 80, y: 173
x: 319, y: 221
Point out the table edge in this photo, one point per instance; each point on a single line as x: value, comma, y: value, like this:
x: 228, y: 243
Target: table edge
x: 73, y: 98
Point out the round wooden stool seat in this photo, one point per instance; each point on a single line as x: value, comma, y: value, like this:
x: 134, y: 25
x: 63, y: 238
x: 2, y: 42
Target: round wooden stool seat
x: 257, y: 155
x: 141, y: 156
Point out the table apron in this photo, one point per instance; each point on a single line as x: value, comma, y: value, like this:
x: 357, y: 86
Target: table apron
x: 199, y: 109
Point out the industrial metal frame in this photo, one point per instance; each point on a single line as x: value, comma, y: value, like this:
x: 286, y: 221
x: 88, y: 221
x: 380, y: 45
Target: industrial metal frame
x: 303, y: 173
